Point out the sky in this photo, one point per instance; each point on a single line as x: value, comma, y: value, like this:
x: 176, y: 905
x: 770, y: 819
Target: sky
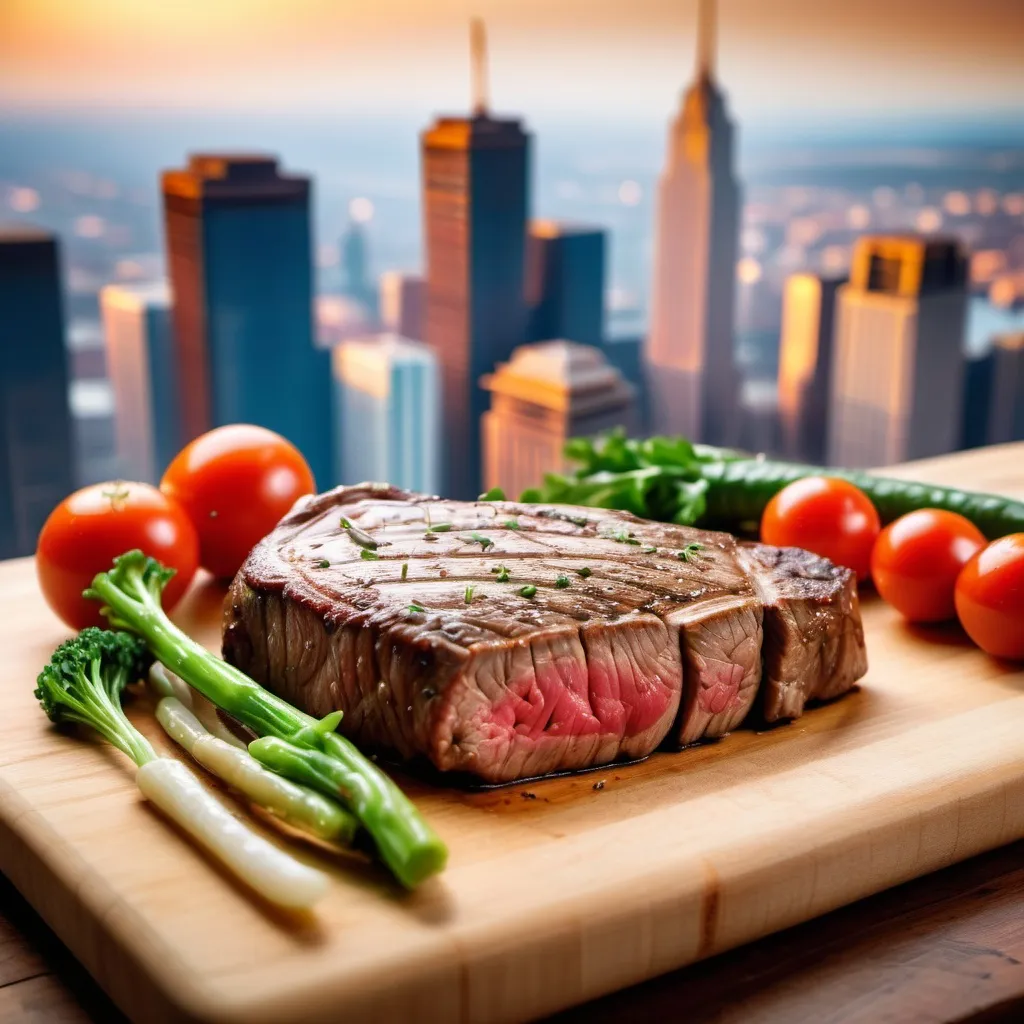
x: 600, y: 58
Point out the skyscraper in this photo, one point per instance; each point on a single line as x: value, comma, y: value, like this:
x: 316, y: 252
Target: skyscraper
x: 544, y: 395
x: 388, y: 412
x: 805, y: 364
x: 692, y: 384
x: 142, y: 371
x: 897, y: 372
x: 240, y: 262
x: 35, y: 423
x: 475, y: 205
x: 565, y: 282
x: 1006, y: 418
x: 403, y: 300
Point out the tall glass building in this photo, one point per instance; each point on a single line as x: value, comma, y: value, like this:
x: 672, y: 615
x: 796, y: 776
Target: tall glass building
x: 387, y: 412
x: 240, y: 261
x: 141, y: 365
x: 35, y: 423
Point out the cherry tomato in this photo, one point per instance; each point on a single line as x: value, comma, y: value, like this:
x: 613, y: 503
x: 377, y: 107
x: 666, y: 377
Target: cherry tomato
x: 917, y: 559
x: 830, y: 517
x: 990, y: 597
x: 90, y: 528
x: 235, y: 483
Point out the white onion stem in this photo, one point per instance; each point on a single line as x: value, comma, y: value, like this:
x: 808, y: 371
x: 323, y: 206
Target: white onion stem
x: 275, y: 875
x: 297, y: 805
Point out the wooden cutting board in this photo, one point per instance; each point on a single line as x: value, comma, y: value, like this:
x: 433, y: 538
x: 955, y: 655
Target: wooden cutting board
x: 557, y: 891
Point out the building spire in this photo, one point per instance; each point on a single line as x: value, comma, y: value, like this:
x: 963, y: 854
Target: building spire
x: 478, y: 52
x: 706, y: 39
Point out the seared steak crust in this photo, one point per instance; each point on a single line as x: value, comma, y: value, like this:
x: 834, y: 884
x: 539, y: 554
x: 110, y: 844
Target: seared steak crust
x: 409, y: 613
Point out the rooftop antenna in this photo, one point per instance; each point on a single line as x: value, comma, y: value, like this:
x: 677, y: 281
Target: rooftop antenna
x: 706, y: 39
x: 478, y: 52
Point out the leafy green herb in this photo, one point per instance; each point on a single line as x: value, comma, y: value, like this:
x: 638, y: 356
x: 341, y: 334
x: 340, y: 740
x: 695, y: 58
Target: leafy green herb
x: 469, y: 594
x: 357, y: 536
x: 439, y: 528
x: 494, y: 494
x: 323, y: 564
x: 648, y: 550
x: 405, y: 571
x: 585, y: 572
x: 562, y: 582
x: 484, y: 542
x: 624, y: 538
x: 691, y: 551
x: 415, y: 608
x: 502, y: 573
x: 528, y: 591
x: 368, y: 556
x: 512, y: 524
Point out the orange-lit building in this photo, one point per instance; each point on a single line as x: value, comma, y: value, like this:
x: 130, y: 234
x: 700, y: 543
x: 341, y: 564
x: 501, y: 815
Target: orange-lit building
x: 475, y: 203
x: 545, y: 394
x: 897, y: 380
x: 692, y: 381
x: 805, y: 364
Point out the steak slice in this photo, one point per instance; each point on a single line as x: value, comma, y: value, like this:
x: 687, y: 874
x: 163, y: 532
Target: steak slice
x: 814, y: 641
x: 495, y: 638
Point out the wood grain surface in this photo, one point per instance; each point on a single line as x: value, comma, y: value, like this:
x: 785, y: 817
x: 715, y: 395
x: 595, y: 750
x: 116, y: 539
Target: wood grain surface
x: 551, y: 898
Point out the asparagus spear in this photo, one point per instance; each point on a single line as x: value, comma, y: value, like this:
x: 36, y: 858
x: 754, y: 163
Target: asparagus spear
x: 131, y: 593
x: 83, y: 683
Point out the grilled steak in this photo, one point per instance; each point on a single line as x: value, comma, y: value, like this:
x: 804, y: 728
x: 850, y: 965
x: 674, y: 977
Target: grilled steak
x: 511, y: 640
x: 814, y: 643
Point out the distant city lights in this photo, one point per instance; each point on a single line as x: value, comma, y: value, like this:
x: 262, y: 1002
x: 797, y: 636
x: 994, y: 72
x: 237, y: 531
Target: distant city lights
x: 23, y: 200
x: 858, y: 217
x: 956, y: 204
x: 360, y: 210
x: 748, y: 270
x: 928, y: 220
x: 90, y: 226
x: 986, y: 202
x: 630, y: 192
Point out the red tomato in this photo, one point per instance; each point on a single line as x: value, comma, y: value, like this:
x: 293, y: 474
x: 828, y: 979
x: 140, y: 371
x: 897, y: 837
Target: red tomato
x: 830, y: 517
x: 990, y: 597
x: 87, y: 530
x: 235, y: 483
x: 917, y: 559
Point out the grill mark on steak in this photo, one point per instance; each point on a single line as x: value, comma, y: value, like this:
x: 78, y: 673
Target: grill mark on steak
x: 647, y: 647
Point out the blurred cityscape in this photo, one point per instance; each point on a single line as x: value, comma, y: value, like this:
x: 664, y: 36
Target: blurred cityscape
x: 446, y: 320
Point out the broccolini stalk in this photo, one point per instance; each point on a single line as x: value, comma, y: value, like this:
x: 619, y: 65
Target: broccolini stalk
x: 83, y: 683
x: 131, y: 593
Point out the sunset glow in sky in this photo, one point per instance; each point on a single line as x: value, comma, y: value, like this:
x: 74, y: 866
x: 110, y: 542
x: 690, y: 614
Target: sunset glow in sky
x: 597, y: 57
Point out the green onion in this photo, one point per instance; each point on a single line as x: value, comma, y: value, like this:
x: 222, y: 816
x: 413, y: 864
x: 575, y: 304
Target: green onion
x: 405, y: 570
x: 469, y: 595
x: 439, y: 528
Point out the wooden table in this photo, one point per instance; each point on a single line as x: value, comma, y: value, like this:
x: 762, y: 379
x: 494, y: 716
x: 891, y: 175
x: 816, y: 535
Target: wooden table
x: 949, y: 947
